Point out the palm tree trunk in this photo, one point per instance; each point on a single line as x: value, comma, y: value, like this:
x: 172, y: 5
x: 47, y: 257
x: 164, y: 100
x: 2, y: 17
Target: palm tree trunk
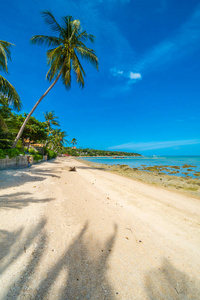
x: 33, y: 109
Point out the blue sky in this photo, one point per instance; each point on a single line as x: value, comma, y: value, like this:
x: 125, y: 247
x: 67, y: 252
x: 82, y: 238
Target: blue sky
x: 146, y: 95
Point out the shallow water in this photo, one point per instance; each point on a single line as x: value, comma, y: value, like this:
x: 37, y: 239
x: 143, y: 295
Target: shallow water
x: 150, y: 161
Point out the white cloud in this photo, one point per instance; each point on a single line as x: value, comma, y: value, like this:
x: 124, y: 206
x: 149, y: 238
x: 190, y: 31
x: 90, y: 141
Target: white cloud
x: 155, y: 145
x: 184, y: 42
x: 135, y: 75
x: 128, y: 75
x: 116, y: 72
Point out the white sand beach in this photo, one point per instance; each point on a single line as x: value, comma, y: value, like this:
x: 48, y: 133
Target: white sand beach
x: 91, y: 234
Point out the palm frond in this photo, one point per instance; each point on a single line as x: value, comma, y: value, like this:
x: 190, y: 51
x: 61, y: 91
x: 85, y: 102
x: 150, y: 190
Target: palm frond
x: 55, y: 123
x: 75, y: 25
x: 67, y: 29
x: 55, y: 60
x: 3, y: 126
x: 51, y: 21
x: 51, y: 118
x: 85, y: 36
x: 66, y: 73
x: 46, y: 40
x: 78, y: 70
x: 8, y: 90
x: 5, y: 55
x: 88, y: 54
x: 52, y: 54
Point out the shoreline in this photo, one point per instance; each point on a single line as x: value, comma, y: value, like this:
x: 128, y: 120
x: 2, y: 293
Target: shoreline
x: 184, y: 185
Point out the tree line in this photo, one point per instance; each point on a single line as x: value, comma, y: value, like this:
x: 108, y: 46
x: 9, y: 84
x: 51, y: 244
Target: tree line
x: 94, y: 152
x: 47, y: 133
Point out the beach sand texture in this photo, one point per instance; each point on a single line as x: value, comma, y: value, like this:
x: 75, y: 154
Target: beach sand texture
x: 91, y: 234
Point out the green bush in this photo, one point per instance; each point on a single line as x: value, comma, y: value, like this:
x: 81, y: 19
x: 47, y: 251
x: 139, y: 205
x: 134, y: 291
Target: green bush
x: 19, y: 145
x: 32, y: 151
x: 37, y: 156
x: 45, y: 150
x: 51, y: 154
x: 2, y: 154
x: 10, y: 152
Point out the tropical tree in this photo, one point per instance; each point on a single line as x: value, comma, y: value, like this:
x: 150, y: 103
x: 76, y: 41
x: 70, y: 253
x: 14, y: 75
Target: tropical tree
x: 63, y: 57
x: 5, y: 134
x: 7, y: 124
x: 6, y: 88
x: 57, y: 140
x: 50, y: 119
x: 73, y: 142
x: 8, y: 96
x: 34, y: 132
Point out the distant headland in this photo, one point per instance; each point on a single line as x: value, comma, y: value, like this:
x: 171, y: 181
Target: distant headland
x: 93, y: 152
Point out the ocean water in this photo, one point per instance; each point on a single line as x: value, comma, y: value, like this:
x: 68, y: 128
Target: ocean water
x: 150, y: 161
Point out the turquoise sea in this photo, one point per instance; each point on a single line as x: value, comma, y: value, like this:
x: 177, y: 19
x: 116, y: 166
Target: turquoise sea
x: 149, y: 161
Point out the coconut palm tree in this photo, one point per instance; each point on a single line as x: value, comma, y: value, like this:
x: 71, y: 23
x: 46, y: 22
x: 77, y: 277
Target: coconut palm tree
x: 7, y: 90
x: 51, y: 120
x: 57, y: 140
x: 63, y: 57
x: 73, y: 142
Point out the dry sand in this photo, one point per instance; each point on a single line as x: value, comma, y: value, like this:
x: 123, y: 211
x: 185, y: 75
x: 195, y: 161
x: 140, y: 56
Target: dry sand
x: 91, y: 234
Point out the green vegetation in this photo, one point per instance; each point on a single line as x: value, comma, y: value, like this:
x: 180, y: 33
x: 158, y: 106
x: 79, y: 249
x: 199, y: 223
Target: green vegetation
x: 51, y: 154
x: 37, y: 134
x: 94, y: 152
x: 73, y: 142
x: 10, y: 153
x: 8, y: 95
x: 8, y: 92
x: 35, y: 131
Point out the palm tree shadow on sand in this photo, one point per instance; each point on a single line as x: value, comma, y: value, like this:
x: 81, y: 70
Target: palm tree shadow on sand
x: 13, y: 244
x: 169, y: 283
x: 85, y: 275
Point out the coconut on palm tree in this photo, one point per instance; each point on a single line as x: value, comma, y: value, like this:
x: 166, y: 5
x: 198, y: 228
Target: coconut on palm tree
x: 7, y: 91
x: 63, y: 55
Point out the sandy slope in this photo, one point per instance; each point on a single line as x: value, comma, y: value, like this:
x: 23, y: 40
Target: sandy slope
x: 91, y: 234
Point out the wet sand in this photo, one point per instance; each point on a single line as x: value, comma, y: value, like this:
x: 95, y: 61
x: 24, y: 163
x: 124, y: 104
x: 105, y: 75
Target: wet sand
x: 154, y: 175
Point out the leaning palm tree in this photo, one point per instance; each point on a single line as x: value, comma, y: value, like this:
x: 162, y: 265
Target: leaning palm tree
x: 7, y: 90
x: 63, y: 57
